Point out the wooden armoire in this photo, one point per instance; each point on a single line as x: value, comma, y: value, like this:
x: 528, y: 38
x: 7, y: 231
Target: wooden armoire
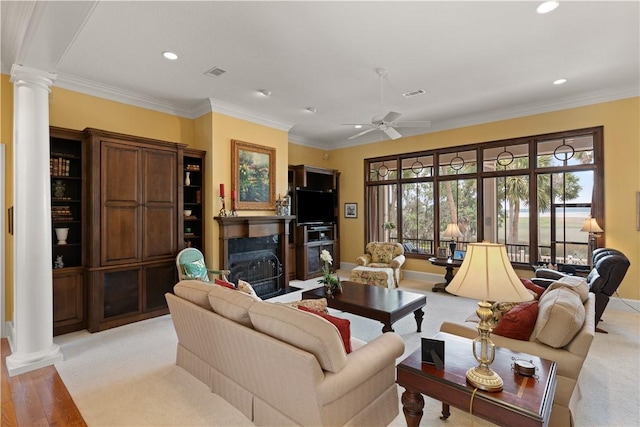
x: 134, y: 223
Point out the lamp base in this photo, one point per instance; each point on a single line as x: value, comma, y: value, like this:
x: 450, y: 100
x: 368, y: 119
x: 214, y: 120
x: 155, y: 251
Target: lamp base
x: 484, y: 378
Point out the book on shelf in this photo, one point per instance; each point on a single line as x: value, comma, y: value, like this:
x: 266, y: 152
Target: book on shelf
x: 59, y: 166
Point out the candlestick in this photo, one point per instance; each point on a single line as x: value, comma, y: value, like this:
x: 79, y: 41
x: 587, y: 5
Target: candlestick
x: 223, y: 210
x: 222, y: 190
x: 233, y: 204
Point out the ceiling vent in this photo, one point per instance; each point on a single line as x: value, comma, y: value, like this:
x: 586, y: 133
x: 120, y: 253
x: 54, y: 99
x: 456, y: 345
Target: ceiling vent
x: 215, y: 72
x: 413, y: 93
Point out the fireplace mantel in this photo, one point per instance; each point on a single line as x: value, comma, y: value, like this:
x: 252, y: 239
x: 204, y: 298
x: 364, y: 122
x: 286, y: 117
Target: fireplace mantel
x: 240, y: 227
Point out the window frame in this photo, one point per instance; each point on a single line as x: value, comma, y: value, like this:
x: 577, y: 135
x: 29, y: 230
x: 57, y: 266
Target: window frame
x: 533, y: 171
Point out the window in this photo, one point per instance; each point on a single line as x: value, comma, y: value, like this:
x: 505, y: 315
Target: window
x: 532, y: 194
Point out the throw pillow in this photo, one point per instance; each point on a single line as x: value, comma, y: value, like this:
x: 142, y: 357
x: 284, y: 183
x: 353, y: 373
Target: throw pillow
x: 499, y: 310
x: 247, y: 289
x: 538, y: 290
x: 319, y: 304
x: 225, y: 284
x: 343, y: 325
x: 196, y: 270
x: 518, y: 323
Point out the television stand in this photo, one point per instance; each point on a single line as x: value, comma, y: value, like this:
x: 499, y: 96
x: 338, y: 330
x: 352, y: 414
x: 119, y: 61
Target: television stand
x: 312, y: 240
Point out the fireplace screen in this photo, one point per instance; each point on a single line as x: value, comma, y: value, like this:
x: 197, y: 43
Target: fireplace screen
x: 262, y: 269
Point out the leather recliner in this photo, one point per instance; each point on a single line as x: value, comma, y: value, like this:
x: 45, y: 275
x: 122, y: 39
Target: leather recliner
x: 609, y: 268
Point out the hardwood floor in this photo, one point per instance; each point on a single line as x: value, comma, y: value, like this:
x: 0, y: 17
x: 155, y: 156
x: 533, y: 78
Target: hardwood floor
x: 36, y: 398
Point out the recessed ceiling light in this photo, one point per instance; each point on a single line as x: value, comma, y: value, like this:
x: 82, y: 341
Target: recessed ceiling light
x: 358, y: 126
x: 311, y: 109
x: 170, y: 55
x: 560, y: 81
x: 265, y: 92
x: 547, y: 6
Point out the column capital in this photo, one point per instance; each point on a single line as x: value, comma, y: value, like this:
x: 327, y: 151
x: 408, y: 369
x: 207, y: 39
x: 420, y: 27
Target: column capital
x: 21, y: 75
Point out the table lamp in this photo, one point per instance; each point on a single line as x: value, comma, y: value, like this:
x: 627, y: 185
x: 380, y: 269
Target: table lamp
x: 590, y: 225
x: 452, y: 232
x: 486, y: 274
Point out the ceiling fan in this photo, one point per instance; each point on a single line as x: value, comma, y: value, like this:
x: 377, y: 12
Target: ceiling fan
x: 388, y: 123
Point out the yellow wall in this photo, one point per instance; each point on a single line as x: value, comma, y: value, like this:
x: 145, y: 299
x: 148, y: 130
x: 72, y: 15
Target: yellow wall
x: 74, y: 110
x: 302, y: 155
x: 6, y: 135
x: 621, y: 121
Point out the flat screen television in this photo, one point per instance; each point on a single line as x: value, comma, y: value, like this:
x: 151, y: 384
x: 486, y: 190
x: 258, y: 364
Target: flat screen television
x: 314, y: 207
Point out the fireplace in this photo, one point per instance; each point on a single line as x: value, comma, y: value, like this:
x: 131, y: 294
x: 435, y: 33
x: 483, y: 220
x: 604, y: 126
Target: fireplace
x: 255, y: 249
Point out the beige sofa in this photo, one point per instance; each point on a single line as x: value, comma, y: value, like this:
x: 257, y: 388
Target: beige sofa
x: 279, y: 365
x: 557, y: 321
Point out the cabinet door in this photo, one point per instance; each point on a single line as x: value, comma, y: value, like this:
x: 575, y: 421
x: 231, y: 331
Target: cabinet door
x: 68, y: 300
x: 158, y: 280
x: 120, y: 185
x: 159, y: 200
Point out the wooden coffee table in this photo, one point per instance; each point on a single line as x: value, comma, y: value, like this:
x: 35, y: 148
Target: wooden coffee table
x: 524, y: 401
x: 372, y: 302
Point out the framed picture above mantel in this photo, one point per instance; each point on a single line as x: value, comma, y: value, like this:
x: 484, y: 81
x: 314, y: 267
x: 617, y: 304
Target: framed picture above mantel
x: 253, y: 175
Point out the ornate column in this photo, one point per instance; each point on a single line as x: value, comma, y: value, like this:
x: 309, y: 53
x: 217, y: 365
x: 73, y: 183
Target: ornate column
x: 32, y: 337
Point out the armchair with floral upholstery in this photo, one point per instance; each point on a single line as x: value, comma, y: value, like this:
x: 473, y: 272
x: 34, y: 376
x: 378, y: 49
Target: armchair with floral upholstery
x: 383, y: 255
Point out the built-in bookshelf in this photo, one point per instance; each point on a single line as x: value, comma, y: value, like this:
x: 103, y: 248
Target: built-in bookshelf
x: 66, y: 202
x: 67, y: 229
x: 193, y: 199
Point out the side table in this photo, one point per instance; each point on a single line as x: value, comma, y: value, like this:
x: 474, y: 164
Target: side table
x: 449, y: 264
x: 524, y: 401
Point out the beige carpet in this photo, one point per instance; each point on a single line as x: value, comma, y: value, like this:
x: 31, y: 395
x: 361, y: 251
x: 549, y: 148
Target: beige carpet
x: 127, y: 377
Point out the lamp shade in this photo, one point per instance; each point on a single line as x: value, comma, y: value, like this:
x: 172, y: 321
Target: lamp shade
x: 452, y: 231
x: 486, y: 274
x: 590, y: 225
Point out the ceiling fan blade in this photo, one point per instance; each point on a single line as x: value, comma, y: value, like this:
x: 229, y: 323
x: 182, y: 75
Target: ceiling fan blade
x: 357, y: 124
x: 413, y: 124
x: 362, y: 133
x: 391, y: 116
x: 392, y: 133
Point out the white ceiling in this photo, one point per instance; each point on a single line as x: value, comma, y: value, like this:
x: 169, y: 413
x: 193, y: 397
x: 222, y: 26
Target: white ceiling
x: 477, y: 61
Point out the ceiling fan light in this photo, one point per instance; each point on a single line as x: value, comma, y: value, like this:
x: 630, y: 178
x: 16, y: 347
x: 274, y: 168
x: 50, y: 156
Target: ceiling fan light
x: 547, y: 6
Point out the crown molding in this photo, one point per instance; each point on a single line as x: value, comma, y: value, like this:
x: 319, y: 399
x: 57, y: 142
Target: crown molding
x: 124, y: 96
x: 233, y: 110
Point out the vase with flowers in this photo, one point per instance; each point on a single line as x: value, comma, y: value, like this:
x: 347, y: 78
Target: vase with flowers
x: 329, y: 278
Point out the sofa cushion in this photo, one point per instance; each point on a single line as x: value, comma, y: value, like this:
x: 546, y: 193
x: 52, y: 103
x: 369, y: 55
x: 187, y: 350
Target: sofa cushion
x: 343, y: 325
x: 231, y: 304
x: 561, y: 314
x: 576, y: 284
x: 538, y: 290
x: 518, y: 323
x: 195, y: 291
x: 309, y: 333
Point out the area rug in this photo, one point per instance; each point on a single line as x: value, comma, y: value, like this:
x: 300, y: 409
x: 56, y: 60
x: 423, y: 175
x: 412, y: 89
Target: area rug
x: 127, y: 376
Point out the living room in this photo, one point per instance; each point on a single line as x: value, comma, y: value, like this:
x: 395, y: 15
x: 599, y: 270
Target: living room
x: 212, y: 132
